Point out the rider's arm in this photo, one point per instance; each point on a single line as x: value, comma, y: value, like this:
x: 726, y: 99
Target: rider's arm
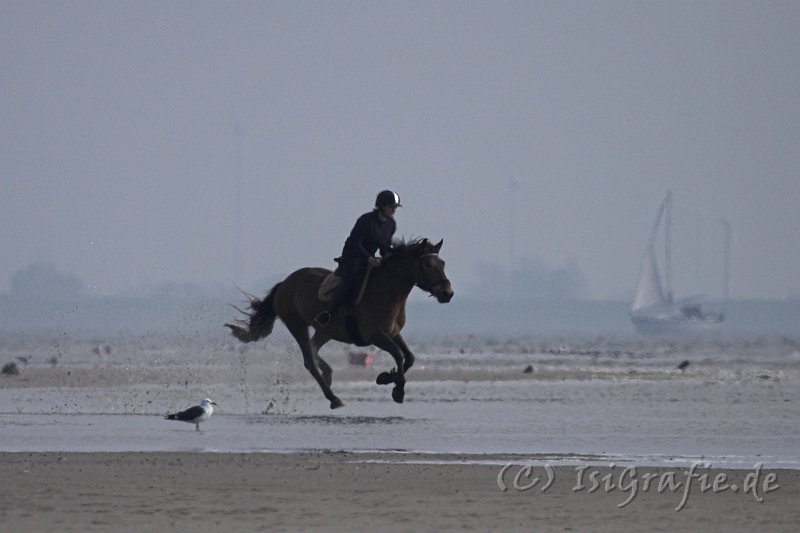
x: 386, y: 249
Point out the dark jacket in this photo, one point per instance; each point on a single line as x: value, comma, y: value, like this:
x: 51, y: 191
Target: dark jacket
x: 369, y: 235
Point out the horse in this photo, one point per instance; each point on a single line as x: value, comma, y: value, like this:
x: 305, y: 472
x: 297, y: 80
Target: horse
x: 377, y: 319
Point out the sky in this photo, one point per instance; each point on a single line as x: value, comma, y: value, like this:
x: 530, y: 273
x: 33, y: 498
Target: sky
x: 229, y: 143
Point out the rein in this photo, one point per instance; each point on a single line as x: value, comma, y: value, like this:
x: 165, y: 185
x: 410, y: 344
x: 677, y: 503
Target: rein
x: 363, y: 285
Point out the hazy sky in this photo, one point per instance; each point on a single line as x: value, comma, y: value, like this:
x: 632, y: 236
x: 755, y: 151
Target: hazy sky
x: 125, y: 125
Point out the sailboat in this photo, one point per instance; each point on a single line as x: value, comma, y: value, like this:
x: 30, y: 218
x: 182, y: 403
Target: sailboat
x: 654, y: 309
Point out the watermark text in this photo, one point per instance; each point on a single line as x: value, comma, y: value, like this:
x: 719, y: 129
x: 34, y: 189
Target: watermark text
x: 628, y: 480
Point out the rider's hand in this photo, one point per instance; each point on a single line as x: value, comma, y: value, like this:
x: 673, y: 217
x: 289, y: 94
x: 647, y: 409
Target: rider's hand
x: 374, y: 261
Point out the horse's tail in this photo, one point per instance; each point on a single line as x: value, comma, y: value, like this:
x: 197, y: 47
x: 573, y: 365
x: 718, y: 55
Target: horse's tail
x: 259, y: 322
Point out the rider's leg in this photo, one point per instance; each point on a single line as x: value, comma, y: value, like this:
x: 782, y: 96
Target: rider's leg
x: 341, y: 297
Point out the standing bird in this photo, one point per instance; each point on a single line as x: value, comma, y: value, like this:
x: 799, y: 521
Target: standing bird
x: 195, y: 415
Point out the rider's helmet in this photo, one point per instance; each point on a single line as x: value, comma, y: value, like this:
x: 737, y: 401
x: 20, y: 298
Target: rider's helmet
x: 387, y: 198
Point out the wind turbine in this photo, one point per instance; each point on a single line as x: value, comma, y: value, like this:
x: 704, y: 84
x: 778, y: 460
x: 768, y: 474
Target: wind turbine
x: 238, y: 133
x: 726, y: 268
x: 513, y: 185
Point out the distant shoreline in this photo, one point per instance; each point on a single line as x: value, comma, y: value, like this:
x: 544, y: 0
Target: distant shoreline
x: 463, y: 316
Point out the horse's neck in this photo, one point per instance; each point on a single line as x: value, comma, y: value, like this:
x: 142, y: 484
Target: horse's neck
x: 390, y: 286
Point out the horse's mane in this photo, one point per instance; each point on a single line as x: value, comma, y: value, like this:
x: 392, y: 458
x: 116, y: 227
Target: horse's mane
x: 403, y: 248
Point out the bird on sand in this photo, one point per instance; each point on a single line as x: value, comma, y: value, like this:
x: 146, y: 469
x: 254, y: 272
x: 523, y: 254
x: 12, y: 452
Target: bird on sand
x: 195, y: 415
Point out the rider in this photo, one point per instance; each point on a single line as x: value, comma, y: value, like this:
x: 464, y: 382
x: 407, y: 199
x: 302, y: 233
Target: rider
x: 372, y: 232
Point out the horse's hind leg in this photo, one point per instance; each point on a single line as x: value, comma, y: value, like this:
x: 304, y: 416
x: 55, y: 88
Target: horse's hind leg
x: 318, y: 341
x: 299, y: 331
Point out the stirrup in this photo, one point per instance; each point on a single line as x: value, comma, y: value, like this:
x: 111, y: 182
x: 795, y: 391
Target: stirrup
x: 323, y: 318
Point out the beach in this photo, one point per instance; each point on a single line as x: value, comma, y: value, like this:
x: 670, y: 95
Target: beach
x: 339, y: 492
x: 343, y: 492
x: 602, y: 424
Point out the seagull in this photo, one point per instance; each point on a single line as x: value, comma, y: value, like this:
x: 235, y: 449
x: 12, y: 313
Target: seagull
x: 195, y: 415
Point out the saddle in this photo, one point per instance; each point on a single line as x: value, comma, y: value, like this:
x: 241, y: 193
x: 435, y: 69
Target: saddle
x: 331, y: 282
x: 328, y: 287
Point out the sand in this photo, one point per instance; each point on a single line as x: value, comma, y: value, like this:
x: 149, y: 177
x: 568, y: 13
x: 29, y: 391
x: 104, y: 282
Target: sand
x: 346, y: 492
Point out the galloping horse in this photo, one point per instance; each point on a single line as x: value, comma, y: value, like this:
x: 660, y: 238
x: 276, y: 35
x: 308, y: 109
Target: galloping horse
x: 376, y: 320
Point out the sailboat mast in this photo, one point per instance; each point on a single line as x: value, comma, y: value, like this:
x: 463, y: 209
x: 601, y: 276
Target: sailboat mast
x: 668, y: 245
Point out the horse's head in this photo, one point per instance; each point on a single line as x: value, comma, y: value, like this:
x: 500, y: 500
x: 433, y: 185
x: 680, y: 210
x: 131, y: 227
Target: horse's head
x: 426, y: 268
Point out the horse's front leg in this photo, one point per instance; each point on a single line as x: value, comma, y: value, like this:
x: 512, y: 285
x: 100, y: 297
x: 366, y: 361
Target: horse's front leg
x: 408, y: 357
x: 385, y: 343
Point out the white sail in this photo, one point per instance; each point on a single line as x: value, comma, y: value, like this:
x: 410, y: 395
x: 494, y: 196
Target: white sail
x: 648, y: 291
x: 653, y: 309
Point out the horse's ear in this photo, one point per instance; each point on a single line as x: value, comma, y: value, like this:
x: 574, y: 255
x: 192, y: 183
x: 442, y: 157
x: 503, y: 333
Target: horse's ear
x: 438, y: 246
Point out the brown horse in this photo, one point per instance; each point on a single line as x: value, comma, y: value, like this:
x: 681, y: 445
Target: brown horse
x: 376, y: 320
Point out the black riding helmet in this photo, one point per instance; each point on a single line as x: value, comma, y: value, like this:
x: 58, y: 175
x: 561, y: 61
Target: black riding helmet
x: 387, y: 198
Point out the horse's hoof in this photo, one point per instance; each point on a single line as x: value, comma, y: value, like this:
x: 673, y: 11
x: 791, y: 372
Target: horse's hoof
x: 337, y: 403
x: 384, y: 378
x: 398, y: 393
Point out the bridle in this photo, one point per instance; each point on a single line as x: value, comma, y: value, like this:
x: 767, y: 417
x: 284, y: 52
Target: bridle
x: 437, y: 288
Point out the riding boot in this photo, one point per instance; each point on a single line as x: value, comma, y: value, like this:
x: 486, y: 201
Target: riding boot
x: 324, y: 317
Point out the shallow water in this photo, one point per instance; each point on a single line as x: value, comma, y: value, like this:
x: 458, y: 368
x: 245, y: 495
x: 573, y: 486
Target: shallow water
x: 603, y: 401
x: 579, y: 421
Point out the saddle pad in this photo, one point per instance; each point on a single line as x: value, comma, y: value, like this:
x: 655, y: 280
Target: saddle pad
x: 328, y: 287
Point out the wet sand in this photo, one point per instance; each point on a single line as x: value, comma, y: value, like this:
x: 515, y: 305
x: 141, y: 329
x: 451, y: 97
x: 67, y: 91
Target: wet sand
x: 348, y: 492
